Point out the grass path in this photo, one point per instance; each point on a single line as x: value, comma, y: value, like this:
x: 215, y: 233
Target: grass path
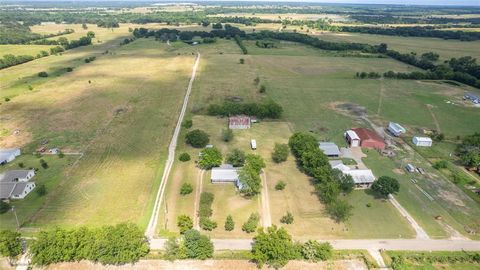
x: 266, y: 215
x: 198, y: 191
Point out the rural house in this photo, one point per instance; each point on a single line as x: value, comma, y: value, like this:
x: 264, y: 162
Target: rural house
x: 330, y: 149
x: 15, y: 184
x: 352, y: 138
x: 7, y: 155
x: 17, y: 176
x: 395, y: 129
x: 422, y: 141
x: 472, y: 97
x: 226, y: 173
x: 367, y: 138
x: 363, y: 178
x: 239, y: 122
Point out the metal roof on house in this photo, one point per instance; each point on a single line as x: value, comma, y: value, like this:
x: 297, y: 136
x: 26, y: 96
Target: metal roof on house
x: 6, y: 190
x: 361, y: 176
x: 10, y: 176
x: 225, y: 172
x: 6, y: 153
x: 329, y: 148
x: 367, y: 134
x: 239, y: 120
x: 19, y: 188
x: 338, y: 164
x: 471, y: 96
x: 423, y: 139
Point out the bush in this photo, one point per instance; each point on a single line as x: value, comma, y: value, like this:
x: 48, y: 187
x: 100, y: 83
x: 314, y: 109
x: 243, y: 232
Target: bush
x: 197, y: 138
x: 41, y: 190
x: 44, y: 164
x: 227, y: 135
x: 174, y: 249
x: 229, y: 223
x: 251, y: 224
x: 43, y: 74
x: 340, y: 210
x: 210, y: 157
x: 441, y: 164
x: 315, y: 251
x: 262, y: 89
x: 287, y: 219
x: 184, y: 157
x: 386, y: 185
x: 7, y: 99
x: 187, y: 123
x: 280, y: 153
x: 207, y: 224
x: 61, y: 155
x: 280, y: 185
x: 21, y: 165
x: 197, y: 246
x: 184, y: 223
x: 69, y: 69
x: 4, y: 207
x: 236, y: 158
x: 186, y: 189
x: 242, y: 61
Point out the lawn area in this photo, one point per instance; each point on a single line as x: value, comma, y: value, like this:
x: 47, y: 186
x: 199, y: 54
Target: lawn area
x: 437, y: 260
x: 120, y: 117
x: 15, y: 49
x: 49, y: 177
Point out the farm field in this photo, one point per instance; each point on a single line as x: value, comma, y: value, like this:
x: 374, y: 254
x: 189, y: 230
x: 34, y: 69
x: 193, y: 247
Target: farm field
x: 32, y: 50
x: 99, y: 109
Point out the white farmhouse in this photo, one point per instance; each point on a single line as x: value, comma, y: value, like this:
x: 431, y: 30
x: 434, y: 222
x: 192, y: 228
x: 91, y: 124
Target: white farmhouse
x: 422, y: 141
x: 16, y: 184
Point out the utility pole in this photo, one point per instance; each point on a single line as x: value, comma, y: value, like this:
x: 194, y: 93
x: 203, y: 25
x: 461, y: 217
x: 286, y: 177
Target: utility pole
x: 16, y: 217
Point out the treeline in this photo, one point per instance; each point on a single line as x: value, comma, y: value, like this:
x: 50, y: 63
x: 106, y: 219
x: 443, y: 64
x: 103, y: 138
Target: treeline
x: 313, y: 41
x: 268, y: 109
x: 328, y: 183
x: 15, y: 33
x: 469, y: 151
x: 390, y: 19
x: 9, y: 60
x: 228, y: 32
x: 239, y: 42
x: 414, y: 31
x: 119, y: 244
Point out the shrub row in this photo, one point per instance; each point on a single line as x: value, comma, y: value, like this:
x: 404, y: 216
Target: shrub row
x: 268, y: 109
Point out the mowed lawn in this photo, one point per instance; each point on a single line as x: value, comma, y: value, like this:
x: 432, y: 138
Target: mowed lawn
x: 119, y: 111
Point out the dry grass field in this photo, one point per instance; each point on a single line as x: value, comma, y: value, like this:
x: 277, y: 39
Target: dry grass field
x: 119, y: 111
x: 32, y: 50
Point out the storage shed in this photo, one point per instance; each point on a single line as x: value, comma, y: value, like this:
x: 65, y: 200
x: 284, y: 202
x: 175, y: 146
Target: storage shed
x: 330, y: 149
x: 239, y: 122
x: 422, y: 141
x: 352, y: 138
x: 395, y: 129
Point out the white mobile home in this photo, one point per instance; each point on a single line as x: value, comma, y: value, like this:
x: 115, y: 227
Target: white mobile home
x: 8, y: 155
x: 422, y: 141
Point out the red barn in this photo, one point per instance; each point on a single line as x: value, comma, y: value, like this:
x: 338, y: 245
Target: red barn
x: 369, y: 138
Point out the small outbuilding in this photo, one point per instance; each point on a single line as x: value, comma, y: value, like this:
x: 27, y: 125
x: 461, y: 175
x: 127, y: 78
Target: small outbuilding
x: 395, y: 129
x: 352, y: 138
x: 239, y: 122
x: 226, y: 173
x: 369, y: 138
x: 330, y: 149
x: 422, y: 141
x: 253, y: 144
x: 8, y: 155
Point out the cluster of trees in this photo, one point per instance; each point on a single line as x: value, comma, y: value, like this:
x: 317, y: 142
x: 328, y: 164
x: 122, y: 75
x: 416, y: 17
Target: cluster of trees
x: 267, y: 109
x: 414, y: 31
x: 197, y: 138
x: 328, y: 183
x: 236, y: 158
x: 469, y: 150
x: 12, y: 32
x: 119, y: 244
x: 205, y: 211
x: 209, y: 158
x: 249, y: 175
x: 390, y: 19
x: 9, y: 60
x: 369, y: 75
x: 10, y: 244
x: 191, y: 245
x: 171, y: 34
x: 275, y: 248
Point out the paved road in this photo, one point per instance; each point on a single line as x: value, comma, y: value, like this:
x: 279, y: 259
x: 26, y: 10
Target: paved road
x: 373, y: 244
x: 421, y: 234
x: 150, y: 231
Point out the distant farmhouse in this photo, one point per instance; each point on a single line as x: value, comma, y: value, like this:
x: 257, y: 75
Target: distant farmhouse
x: 8, y: 155
x: 16, y: 184
x: 364, y: 138
x: 472, y: 97
x: 239, y: 122
x: 330, y: 149
x: 395, y: 129
x: 422, y: 141
x: 363, y: 178
x: 226, y: 173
